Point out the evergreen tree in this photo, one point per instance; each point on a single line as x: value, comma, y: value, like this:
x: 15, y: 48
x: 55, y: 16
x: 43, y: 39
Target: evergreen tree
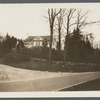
x: 77, y: 48
x: 7, y: 44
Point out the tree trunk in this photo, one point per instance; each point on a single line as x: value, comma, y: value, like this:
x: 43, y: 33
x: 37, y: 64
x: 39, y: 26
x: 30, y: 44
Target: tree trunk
x: 50, y: 48
x: 66, y: 37
x: 65, y: 50
x: 59, y: 44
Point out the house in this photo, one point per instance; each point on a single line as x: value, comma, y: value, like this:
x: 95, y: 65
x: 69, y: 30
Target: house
x: 37, y: 41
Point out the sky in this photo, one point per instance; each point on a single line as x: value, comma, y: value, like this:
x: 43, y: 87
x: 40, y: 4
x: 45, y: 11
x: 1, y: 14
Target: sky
x: 22, y: 20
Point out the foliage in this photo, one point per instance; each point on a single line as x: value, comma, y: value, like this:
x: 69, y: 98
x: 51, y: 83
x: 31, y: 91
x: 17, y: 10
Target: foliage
x: 16, y: 57
x: 42, y: 65
x: 7, y: 44
x: 96, y: 56
x: 38, y: 52
x: 20, y: 45
x: 78, y: 48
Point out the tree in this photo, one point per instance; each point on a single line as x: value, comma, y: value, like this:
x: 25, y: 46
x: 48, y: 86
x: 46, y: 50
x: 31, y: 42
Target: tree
x: 20, y: 44
x: 59, y: 27
x: 81, y: 19
x: 89, y: 37
x: 7, y: 44
x: 69, y: 16
x: 45, y: 43
x: 78, y: 48
x: 52, y: 15
x: 80, y: 22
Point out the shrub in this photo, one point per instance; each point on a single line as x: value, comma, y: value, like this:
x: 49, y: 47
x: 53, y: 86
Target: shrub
x: 38, y: 52
x: 16, y: 57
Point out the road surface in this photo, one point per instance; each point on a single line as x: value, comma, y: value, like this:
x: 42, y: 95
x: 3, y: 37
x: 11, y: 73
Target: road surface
x: 48, y: 84
x: 93, y: 85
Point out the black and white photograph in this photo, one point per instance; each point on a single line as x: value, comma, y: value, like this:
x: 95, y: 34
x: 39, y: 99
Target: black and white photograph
x: 50, y: 47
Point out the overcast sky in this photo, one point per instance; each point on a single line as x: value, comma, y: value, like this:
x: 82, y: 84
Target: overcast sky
x: 20, y: 20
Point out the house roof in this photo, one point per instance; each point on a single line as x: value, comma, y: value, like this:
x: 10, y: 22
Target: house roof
x: 30, y: 38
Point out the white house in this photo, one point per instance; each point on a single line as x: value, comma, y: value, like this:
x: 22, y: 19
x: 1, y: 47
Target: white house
x: 36, y: 41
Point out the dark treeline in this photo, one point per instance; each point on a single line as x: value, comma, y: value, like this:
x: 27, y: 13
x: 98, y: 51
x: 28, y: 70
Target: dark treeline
x: 8, y: 43
x: 81, y: 56
x: 77, y: 46
x: 79, y: 49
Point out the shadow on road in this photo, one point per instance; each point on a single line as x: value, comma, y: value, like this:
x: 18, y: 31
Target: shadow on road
x: 93, y: 85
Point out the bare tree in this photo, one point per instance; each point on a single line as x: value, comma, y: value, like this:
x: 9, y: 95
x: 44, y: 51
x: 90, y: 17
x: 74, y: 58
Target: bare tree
x: 81, y: 19
x: 52, y: 15
x: 69, y: 16
x: 81, y: 22
x: 59, y: 27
